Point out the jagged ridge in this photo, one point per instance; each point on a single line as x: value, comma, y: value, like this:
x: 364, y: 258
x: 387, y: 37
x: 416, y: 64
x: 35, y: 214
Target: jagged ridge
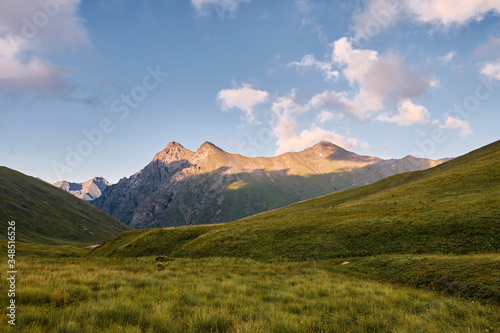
x: 182, y: 187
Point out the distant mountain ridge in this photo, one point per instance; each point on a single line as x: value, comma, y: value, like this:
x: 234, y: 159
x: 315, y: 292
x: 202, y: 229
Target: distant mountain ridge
x: 182, y: 187
x: 87, y: 191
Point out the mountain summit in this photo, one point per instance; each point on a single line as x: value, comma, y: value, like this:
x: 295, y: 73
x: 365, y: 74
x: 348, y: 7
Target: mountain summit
x: 182, y: 187
x: 87, y: 191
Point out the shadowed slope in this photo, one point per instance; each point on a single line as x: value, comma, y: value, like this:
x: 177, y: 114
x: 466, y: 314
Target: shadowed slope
x: 45, y: 214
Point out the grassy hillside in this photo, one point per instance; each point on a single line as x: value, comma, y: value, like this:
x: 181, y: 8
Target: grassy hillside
x: 226, y: 295
x: 453, y: 208
x: 45, y: 214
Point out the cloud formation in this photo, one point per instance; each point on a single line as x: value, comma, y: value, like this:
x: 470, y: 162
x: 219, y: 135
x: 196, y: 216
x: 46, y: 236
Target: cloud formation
x: 374, y: 78
x: 31, y: 30
x: 456, y: 123
x: 447, y: 58
x: 325, y: 67
x: 378, y: 78
x: 244, y: 98
x: 287, y: 130
x: 450, y: 12
x: 407, y: 114
x: 220, y: 6
x: 491, y: 70
x: 378, y: 15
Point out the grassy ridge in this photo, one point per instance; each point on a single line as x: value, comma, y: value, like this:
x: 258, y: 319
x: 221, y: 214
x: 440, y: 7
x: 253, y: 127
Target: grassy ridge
x: 45, y: 214
x: 453, y: 208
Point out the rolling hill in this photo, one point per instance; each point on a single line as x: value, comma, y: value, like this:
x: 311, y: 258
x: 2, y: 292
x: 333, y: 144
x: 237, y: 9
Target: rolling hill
x: 48, y: 215
x: 453, y: 208
x: 181, y: 187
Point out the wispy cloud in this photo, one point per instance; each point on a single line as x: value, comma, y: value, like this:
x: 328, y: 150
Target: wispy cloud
x: 304, y: 11
x: 457, y: 123
x: 325, y: 67
x: 29, y: 32
x: 492, y: 48
x: 444, y: 60
x: 220, y: 6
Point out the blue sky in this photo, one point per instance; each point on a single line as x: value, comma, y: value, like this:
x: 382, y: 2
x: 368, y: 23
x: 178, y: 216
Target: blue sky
x: 96, y: 88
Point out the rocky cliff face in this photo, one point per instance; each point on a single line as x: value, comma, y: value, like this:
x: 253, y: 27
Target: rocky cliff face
x: 87, y: 191
x: 182, y: 187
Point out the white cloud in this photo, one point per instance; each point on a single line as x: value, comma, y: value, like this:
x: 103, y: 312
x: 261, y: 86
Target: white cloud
x: 325, y: 116
x: 491, y: 70
x: 378, y: 15
x: 31, y: 30
x: 447, y: 58
x: 451, y: 12
x: 407, y: 114
x: 325, y: 67
x: 329, y: 99
x: 220, y: 6
x: 244, y: 98
x: 379, y: 78
x: 288, y: 105
x: 456, y: 123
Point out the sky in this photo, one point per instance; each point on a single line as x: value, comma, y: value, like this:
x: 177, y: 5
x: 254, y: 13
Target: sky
x: 97, y: 88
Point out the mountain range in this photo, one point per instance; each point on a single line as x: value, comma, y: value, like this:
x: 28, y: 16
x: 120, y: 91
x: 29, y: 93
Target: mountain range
x: 183, y: 187
x: 453, y: 208
x: 87, y: 191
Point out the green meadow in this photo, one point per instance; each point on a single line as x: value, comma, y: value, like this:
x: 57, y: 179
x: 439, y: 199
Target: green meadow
x: 148, y: 294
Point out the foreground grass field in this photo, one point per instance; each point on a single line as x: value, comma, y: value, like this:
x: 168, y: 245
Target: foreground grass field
x: 227, y: 295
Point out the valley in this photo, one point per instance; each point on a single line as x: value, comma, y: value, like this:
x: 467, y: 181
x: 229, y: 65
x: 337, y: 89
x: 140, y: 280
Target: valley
x: 413, y: 251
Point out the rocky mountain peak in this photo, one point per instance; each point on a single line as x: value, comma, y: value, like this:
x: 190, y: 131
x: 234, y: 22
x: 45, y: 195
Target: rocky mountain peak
x: 174, y: 151
x: 88, y: 190
x: 327, y: 145
x: 208, y: 146
x: 207, y: 149
x: 100, y: 182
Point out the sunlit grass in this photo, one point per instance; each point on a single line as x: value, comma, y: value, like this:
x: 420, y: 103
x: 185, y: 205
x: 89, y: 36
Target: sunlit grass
x: 226, y: 295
